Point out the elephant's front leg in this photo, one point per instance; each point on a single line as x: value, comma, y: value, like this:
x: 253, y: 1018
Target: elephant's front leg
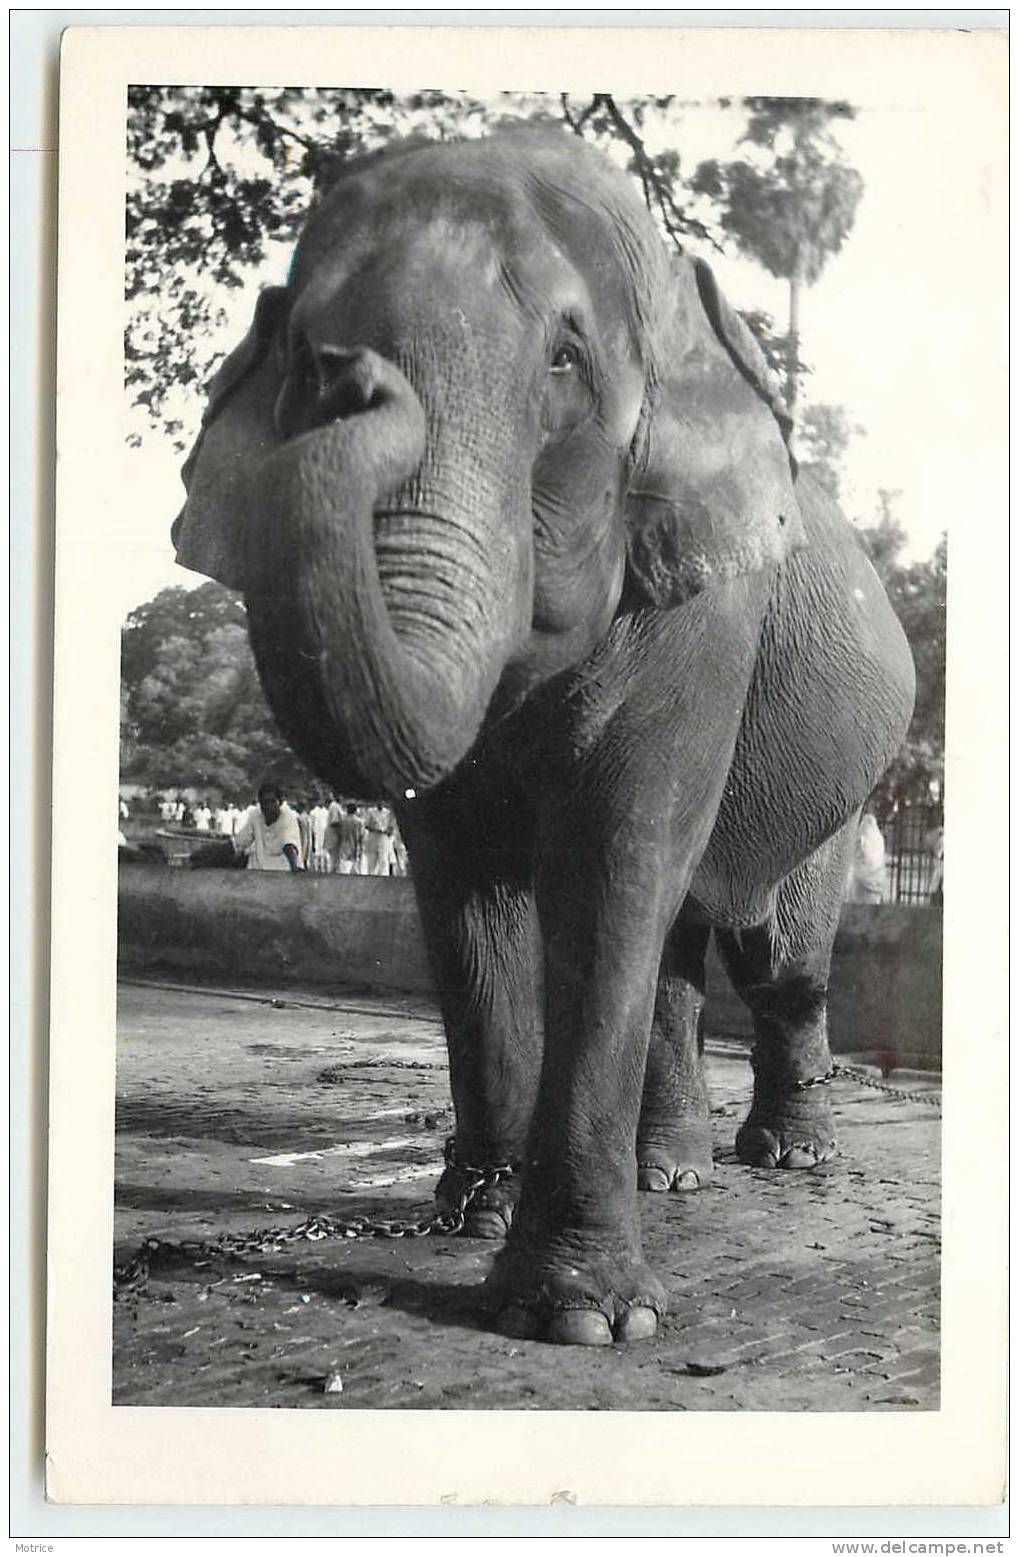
x: 628, y: 803
x: 472, y: 862
x: 573, y: 1270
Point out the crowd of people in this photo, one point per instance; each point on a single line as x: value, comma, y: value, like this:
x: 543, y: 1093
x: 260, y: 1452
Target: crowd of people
x: 333, y: 836
x: 314, y: 833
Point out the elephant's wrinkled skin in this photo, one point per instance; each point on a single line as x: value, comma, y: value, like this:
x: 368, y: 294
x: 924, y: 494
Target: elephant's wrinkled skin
x: 523, y: 548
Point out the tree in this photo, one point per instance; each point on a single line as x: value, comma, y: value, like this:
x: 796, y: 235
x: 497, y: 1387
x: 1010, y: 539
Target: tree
x: 884, y: 539
x: 824, y: 438
x: 791, y: 202
x: 774, y: 346
x: 614, y: 126
x: 192, y: 709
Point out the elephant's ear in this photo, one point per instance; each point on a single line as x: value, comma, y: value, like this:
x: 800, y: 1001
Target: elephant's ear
x: 238, y: 426
x: 712, y: 493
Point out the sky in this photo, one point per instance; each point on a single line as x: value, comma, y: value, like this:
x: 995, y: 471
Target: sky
x: 886, y: 329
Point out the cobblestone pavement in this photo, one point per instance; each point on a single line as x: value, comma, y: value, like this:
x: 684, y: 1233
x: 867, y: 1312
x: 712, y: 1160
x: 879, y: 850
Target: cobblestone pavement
x: 788, y: 1290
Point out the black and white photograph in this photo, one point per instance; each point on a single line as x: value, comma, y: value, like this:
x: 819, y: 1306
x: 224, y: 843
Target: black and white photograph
x: 530, y: 540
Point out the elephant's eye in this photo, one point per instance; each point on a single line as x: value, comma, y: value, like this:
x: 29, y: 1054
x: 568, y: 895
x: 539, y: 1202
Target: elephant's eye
x: 567, y: 396
x: 565, y: 358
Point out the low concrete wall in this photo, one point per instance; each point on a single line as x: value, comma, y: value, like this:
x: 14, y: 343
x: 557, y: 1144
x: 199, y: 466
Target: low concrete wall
x: 264, y: 925
x: 885, y: 998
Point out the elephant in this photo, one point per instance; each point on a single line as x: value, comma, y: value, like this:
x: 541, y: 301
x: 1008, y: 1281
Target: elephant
x: 510, y: 497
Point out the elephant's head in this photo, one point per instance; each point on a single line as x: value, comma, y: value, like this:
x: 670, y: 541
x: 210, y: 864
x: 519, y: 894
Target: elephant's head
x: 485, y: 401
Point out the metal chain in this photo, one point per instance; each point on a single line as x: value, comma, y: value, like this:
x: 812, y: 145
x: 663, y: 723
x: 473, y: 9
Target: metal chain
x: 850, y: 1073
x: 132, y: 1276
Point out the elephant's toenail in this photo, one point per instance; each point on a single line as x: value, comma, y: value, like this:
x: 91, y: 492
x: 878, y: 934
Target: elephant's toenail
x: 800, y: 1157
x: 688, y: 1179
x: 637, y: 1324
x: 519, y: 1322
x: 580, y: 1327
x: 486, y: 1224
x: 654, y: 1179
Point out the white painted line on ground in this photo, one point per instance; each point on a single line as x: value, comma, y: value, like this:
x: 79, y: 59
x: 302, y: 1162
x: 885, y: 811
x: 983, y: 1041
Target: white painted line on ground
x: 381, y: 1113
x: 363, y: 1148
x: 348, y: 1149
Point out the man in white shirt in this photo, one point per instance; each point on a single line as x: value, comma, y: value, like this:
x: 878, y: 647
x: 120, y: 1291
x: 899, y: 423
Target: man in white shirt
x: 203, y: 816
x: 269, y: 834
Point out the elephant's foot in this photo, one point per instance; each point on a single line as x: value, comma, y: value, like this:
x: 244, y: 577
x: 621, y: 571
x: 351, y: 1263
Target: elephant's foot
x: 678, y: 1158
x: 790, y: 1130
x: 489, y: 1212
x: 573, y: 1298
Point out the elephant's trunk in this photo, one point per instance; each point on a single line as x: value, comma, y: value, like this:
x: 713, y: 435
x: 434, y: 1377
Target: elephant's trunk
x: 380, y: 624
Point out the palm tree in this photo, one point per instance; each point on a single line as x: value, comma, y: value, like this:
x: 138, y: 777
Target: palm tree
x: 791, y: 202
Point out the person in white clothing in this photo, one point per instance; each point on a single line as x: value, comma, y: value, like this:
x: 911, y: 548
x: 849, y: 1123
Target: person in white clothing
x: 203, y: 817
x: 934, y: 843
x: 378, y: 852
x: 866, y: 882
x: 334, y: 816
x: 270, y: 835
x: 347, y: 835
x: 318, y: 816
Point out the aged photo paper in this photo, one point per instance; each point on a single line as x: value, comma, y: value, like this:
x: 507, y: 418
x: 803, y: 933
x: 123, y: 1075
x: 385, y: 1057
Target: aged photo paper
x: 952, y: 85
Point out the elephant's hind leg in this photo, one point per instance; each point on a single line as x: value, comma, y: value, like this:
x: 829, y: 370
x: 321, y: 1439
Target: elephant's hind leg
x: 781, y: 970
x: 674, y: 1135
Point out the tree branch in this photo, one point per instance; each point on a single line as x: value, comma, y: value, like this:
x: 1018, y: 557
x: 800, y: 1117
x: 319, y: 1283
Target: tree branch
x: 577, y: 125
x: 675, y: 221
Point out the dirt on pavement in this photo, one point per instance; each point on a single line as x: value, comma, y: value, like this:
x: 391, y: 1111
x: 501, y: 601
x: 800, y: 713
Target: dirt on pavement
x: 238, y: 1110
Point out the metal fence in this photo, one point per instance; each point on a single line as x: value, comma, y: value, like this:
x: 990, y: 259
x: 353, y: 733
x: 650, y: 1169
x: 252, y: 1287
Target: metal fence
x: 913, y: 844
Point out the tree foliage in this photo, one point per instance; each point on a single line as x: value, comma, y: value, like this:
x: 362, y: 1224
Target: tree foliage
x: 775, y: 344
x: 791, y: 202
x: 192, y: 710
x: 825, y: 434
